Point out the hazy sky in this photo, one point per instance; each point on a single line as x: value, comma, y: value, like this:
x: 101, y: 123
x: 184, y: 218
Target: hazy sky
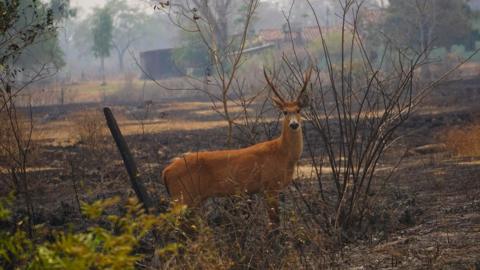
x: 87, y: 4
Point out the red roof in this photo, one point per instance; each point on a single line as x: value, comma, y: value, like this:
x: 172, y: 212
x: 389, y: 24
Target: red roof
x: 271, y: 35
x: 309, y: 33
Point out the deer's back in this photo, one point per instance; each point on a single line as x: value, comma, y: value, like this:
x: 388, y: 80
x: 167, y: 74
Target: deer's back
x: 217, y: 173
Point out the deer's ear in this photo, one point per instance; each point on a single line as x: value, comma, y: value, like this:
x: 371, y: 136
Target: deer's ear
x: 277, y: 102
x: 303, y: 101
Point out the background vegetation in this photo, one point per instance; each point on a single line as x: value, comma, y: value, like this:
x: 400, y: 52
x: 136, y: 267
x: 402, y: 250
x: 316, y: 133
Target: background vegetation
x: 388, y: 177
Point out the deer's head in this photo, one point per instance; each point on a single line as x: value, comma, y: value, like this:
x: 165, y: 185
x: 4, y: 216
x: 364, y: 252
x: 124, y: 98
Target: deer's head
x: 291, y: 109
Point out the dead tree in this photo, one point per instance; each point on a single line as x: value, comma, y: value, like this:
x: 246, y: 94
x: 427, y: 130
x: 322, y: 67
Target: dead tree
x: 128, y: 160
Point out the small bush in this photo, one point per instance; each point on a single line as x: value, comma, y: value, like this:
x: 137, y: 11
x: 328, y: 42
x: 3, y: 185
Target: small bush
x: 98, y: 247
x: 15, y: 247
x: 464, y: 141
x: 112, y: 241
x: 14, y: 137
x: 89, y: 127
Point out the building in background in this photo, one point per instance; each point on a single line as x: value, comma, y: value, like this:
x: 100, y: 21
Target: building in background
x: 159, y: 64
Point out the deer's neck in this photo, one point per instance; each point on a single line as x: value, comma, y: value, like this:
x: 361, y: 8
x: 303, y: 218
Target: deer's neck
x: 291, y: 143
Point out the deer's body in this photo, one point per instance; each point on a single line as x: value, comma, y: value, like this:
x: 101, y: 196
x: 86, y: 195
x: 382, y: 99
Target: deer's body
x: 266, y: 167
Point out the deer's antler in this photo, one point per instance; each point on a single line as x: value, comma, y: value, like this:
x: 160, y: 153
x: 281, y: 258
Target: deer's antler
x: 272, y: 86
x: 306, y: 80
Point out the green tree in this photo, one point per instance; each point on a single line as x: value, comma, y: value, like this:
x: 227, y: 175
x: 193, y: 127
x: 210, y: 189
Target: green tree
x: 333, y: 40
x: 211, y: 21
x: 26, y: 28
x: 129, y: 26
x: 102, y: 32
x: 425, y: 24
x: 192, y: 54
x: 29, y: 34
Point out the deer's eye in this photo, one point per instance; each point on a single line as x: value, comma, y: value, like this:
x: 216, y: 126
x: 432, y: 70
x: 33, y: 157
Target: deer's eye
x: 285, y: 112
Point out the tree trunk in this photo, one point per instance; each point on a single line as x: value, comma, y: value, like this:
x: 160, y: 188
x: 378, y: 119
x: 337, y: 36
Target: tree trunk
x: 121, y: 56
x: 62, y: 95
x: 120, y: 62
x: 221, y: 30
x: 128, y: 161
x: 102, y: 62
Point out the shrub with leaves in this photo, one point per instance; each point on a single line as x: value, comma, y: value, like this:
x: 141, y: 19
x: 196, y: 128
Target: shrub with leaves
x: 15, y: 247
x: 103, y: 247
x: 114, y: 241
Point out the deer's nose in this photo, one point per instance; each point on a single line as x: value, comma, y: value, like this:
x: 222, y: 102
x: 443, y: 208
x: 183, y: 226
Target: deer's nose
x: 294, y: 125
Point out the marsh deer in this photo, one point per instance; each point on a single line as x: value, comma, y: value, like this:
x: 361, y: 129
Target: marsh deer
x: 266, y: 167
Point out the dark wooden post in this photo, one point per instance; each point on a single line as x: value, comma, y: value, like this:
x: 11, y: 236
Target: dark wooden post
x: 128, y: 161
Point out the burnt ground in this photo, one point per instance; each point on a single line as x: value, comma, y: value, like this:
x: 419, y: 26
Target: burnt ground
x: 438, y: 192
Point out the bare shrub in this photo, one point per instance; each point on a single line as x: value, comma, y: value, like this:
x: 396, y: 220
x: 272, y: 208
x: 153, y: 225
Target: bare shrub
x: 129, y: 80
x: 7, y: 141
x: 226, y: 54
x: 89, y: 128
x: 15, y: 134
x: 240, y: 226
x: 17, y: 152
x: 464, y: 141
x: 128, y: 91
x: 196, y: 249
x: 357, y: 105
x: 451, y: 61
x: 142, y: 115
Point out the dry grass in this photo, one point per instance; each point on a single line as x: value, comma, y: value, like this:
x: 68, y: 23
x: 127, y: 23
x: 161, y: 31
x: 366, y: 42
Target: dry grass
x: 14, y: 138
x: 89, y: 127
x: 127, y: 89
x: 464, y: 141
x: 235, y: 232
x: 85, y: 125
x: 67, y: 132
x: 6, y: 136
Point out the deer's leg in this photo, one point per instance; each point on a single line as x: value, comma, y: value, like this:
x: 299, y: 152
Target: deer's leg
x: 272, y: 207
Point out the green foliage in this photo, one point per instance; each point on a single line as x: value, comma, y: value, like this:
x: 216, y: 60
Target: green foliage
x: 437, y: 23
x: 111, y: 246
x: 96, y: 248
x: 129, y: 25
x: 15, y: 247
x: 61, y: 9
x: 28, y: 35
x: 102, y: 31
x: 128, y: 22
x: 193, y: 52
x: 333, y: 41
x: 22, y: 23
x: 99, y: 247
x: 241, y: 19
x: 4, y: 211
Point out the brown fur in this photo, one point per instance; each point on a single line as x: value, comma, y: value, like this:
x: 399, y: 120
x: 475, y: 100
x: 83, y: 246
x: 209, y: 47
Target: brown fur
x: 266, y: 167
